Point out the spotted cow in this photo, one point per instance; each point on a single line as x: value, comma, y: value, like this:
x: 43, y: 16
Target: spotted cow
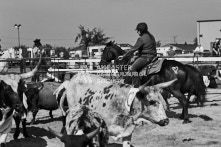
x: 15, y: 86
x: 121, y: 106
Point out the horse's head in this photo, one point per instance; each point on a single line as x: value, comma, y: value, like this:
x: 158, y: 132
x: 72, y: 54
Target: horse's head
x: 110, y: 52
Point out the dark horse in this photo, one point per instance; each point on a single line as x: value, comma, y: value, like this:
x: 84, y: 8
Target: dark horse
x: 189, y: 78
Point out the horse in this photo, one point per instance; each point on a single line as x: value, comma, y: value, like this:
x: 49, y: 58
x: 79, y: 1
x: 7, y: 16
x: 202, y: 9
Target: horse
x: 4, y: 64
x: 170, y: 70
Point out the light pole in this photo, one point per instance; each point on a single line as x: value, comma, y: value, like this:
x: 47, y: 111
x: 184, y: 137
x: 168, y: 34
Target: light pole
x: 22, y: 63
x: 17, y: 26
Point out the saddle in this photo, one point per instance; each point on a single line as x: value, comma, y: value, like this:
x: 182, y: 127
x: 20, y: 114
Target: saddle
x: 153, y: 67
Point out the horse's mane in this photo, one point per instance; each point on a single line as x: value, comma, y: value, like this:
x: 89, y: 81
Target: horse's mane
x: 111, y: 52
x: 114, y: 45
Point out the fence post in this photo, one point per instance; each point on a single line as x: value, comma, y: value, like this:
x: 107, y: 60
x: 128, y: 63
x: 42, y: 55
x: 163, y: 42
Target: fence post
x: 22, y: 65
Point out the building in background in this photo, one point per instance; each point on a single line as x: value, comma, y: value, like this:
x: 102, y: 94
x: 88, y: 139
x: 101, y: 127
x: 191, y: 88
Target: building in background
x: 95, y: 51
x: 207, y: 32
x: 177, y: 48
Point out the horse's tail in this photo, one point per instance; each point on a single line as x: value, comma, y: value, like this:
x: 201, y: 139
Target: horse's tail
x: 201, y: 92
x: 197, y: 84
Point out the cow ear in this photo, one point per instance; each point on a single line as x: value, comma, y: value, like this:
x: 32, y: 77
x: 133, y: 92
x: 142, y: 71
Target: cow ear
x: 40, y: 86
x: 93, y: 133
x: 140, y: 95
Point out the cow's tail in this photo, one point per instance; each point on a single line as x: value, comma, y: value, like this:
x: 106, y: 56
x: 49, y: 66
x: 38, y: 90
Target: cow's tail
x: 62, y: 86
x: 61, y: 104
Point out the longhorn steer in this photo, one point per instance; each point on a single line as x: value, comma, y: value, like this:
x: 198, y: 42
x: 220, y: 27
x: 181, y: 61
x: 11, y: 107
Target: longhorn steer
x: 87, y: 127
x: 19, y: 78
x: 110, y: 101
x: 11, y: 102
x: 40, y: 96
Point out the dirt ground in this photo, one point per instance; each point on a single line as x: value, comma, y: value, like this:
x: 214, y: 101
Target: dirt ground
x: 204, y: 130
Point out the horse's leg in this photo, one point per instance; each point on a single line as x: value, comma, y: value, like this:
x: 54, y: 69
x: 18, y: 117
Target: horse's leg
x: 166, y: 95
x: 184, y: 101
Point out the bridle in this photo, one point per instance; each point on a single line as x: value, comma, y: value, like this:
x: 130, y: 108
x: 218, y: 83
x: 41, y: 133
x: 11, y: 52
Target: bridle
x: 102, y: 60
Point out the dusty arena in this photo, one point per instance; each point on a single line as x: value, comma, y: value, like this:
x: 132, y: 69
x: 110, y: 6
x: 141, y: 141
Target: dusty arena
x: 204, y: 130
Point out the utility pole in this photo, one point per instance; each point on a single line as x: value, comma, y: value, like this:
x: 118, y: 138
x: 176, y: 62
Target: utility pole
x: 17, y: 26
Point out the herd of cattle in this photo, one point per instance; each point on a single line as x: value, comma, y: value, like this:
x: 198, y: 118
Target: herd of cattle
x: 93, y: 108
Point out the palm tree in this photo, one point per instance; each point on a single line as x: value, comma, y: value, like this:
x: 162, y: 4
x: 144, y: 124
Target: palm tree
x: 87, y: 37
x: 98, y: 37
x: 83, y: 36
x: 158, y: 43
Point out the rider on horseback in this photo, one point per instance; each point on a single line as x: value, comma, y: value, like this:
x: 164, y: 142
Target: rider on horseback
x: 146, y: 47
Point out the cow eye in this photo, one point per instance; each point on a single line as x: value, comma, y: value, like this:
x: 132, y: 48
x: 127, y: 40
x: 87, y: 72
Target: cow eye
x: 152, y: 102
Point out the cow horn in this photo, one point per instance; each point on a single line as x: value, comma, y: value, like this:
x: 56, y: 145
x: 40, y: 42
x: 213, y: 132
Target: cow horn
x: 33, y: 72
x: 142, y: 87
x: 218, y: 75
x: 55, y: 133
x: 92, y: 134
x: 165, y: 84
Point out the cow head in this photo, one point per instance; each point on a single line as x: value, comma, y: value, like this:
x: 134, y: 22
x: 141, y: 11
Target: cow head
x: 82, y: 124
x: 9, y: 97
x: 32, y: 94
x: 75, y: 140
x: 153, y: 105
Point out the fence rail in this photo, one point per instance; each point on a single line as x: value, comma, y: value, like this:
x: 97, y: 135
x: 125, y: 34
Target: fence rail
x: 89, y: 65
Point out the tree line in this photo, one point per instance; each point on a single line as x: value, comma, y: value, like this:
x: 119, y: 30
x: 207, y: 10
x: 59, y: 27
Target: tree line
x: 85, y: 38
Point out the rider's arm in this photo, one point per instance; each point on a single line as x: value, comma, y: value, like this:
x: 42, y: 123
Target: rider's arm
x: 136, y: 47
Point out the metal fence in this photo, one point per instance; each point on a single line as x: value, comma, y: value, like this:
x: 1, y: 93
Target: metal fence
x: 57, y: 66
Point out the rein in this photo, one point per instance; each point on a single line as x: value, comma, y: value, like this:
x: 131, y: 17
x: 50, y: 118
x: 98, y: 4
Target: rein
x: 105, y: 61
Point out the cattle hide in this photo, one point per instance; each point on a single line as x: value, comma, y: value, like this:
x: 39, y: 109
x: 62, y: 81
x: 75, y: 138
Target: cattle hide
x: 108, y: 99
x: 47, y: 100
x: 82, y: 118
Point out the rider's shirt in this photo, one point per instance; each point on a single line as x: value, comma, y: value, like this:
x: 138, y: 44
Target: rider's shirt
x: 145, y: 46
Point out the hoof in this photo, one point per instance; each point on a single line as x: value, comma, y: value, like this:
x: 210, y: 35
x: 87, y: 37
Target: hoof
x: 15, y: 136
x: 186, y: 121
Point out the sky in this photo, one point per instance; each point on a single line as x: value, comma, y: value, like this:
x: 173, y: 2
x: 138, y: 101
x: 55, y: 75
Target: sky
x: 56, y: 22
